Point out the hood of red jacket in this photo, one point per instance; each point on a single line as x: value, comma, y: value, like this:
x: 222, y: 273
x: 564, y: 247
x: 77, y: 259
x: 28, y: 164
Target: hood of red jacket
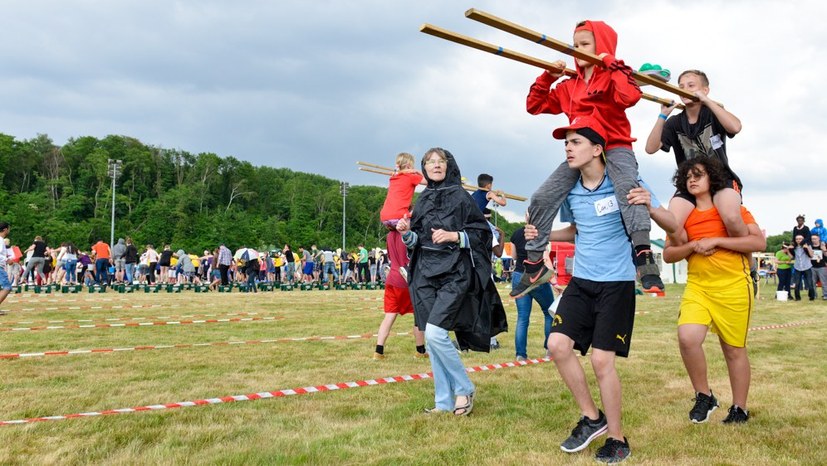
x: 605, y: 39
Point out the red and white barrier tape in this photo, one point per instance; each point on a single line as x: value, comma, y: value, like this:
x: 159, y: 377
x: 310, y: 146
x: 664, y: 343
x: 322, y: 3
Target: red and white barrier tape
x: 302, y: 390
x: 119, y: 307
x: 190, y: 345
x: 264, y: 395
x: 791, y: 324
x: 120, y: 319
x: 141, y: 324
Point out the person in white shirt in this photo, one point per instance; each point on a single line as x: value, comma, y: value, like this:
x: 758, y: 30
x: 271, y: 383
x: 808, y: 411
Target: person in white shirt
x: 5, y: 254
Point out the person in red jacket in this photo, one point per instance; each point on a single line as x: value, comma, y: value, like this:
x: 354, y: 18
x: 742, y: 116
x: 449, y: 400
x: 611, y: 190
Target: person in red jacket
x: 604, y: 93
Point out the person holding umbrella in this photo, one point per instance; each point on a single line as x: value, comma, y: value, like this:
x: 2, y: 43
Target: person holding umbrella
x: 250, y: 258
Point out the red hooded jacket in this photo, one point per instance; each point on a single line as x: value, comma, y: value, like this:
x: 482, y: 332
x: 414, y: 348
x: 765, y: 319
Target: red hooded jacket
x: 607, y: 95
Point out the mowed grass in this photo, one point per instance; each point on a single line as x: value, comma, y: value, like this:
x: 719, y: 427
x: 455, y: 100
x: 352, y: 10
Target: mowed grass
x: 520, y: 417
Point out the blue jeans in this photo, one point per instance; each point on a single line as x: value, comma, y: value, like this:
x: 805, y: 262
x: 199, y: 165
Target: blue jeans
x: 544, y: 297
x: 290, y: 271
x: 71, y: 267
x: 101, y: 271
x: 330, y: 271
x: 344, y: 271
x: 450, y: 378
x: 129, y: 270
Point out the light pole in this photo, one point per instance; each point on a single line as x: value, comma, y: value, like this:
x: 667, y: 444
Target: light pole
x: 343, y: 186
x: 114, y: 165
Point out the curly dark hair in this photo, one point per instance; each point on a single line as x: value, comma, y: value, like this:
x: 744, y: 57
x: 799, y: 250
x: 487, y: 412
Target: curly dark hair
x: 718, y: 175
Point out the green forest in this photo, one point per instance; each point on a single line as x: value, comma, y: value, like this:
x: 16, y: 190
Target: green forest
x: 194, y: 202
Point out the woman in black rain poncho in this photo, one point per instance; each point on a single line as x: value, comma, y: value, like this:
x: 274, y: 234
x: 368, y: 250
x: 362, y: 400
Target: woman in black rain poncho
x: 449, y: 242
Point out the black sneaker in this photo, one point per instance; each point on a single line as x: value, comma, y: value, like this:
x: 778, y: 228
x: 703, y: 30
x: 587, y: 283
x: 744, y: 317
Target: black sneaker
x: 648, y: 271
x: 736, y: 415
x: 704, y: 405
x: 583, y: 434
x: 613, y: 451
x: 535, y: 274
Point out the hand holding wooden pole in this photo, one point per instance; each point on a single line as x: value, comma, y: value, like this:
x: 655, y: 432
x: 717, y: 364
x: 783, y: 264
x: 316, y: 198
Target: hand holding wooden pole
x: 516, y: 56
x: 542, y: 39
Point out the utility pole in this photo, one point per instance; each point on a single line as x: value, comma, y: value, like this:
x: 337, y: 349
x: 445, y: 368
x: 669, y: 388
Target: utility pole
x: 343, y: 186
x: 114, y: 166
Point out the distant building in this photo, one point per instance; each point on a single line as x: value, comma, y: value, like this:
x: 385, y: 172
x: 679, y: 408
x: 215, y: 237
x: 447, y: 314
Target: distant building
x: 669, y: 273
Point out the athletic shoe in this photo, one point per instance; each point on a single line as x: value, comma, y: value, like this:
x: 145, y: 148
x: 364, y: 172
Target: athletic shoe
x: 736, y: 415
x: 494, y: 343
x: 704, y: 405
x: 418, y: 355
x: 613, y: 451
x: 521, y: 359
x: 535, y: 274
x: 378, y: 356
x: 583, y: 434
x: 648, y: 271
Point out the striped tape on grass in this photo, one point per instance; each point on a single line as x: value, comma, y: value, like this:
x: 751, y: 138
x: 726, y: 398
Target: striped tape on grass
x: 189, y: 345
x: 76, y: 352
x: 305, y: 390
x: 121, y: 319
x: 265, y: 395
x: 140, y: 324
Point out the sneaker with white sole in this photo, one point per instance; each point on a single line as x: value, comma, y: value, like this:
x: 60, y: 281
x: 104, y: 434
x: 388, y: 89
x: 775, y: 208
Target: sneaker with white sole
x: 737, y: 415
x: 535, y: 274
x: 704, y: 406
x: 584, y: 432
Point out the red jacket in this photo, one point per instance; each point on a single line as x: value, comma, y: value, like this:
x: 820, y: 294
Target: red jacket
x: 607, y: 95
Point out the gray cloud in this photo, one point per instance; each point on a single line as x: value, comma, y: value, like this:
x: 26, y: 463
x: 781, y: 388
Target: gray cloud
x: 315, y: 86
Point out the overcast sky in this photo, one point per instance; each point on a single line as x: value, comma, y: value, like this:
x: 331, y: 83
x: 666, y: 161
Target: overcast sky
x: 317, y: 85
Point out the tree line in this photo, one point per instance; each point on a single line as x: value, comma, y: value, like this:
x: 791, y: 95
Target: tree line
x: 192, y: 201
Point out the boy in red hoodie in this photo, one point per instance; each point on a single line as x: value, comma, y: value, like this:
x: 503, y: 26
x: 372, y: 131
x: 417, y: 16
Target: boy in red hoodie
x: 603, y: 93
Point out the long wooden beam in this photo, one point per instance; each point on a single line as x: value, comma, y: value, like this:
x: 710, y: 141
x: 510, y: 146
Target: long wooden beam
x: 379, y: 169
x: 457, y: 38
x: 542, y: 39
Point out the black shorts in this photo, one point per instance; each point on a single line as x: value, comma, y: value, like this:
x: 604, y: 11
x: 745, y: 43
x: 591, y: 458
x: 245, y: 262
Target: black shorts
x: 598, y: 314
x: 731, y: 183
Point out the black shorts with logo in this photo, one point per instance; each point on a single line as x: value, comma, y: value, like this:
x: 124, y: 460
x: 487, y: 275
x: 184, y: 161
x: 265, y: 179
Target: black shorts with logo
x: 598, y: 314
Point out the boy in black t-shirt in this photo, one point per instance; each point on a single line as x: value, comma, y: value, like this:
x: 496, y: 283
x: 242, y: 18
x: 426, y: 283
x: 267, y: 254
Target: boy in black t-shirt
x: 700, y: 130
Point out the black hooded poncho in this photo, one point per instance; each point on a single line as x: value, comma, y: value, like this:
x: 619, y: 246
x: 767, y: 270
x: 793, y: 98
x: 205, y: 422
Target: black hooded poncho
x: 451, y: 287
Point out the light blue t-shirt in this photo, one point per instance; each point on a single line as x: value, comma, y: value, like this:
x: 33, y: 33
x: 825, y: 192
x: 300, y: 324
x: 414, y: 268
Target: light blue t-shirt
x: 602, y: 249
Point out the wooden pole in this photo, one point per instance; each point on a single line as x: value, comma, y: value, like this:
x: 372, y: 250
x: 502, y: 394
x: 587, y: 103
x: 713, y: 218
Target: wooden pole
x: 542, y: 39
x: 437, y: 31
x: 516, y: 56
x: 379, y: 169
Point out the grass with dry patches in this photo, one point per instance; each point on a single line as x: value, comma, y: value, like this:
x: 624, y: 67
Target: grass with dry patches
x: 520, y: 417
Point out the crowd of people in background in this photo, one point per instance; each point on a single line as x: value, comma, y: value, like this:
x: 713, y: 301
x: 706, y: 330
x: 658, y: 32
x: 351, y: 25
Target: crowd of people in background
x: 126, y: 263
x: 800, y: 263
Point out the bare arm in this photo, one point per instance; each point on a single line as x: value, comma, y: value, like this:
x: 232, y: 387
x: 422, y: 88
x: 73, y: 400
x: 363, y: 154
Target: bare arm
x: 754, y: 241
x: 730, y: 122
x: 672, y: 253
x: 664, y: 218
x: 564, y: 234
x: 496, y: 196
x: 653, y: 142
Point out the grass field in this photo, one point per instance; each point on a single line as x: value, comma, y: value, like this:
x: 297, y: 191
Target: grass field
x: 520, y: 417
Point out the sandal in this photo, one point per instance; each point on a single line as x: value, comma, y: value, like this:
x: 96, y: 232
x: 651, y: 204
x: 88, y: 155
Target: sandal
x: 434, y: 410
x: 467, y: 407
